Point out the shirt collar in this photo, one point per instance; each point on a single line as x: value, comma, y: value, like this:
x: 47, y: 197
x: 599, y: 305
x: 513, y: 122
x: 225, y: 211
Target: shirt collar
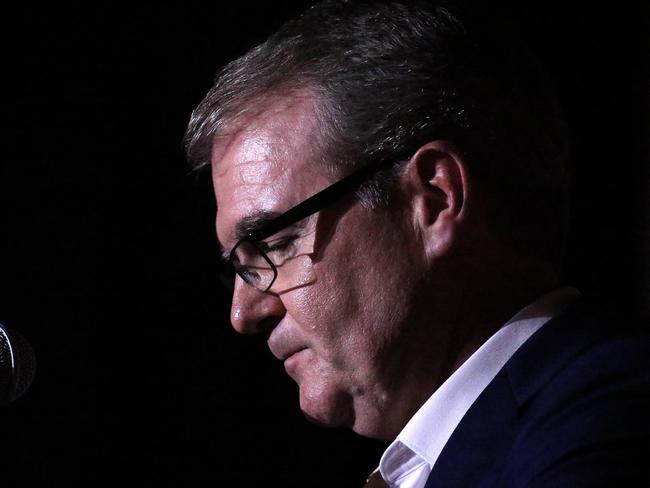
x: 425, y: 435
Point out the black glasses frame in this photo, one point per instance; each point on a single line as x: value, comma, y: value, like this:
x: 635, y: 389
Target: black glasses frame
x: 304, y: 209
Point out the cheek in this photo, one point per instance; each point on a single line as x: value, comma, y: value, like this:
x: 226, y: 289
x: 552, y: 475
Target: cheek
x: 328, y: 313
x: 344, y: 316
x: 324, y: 306
x: 354, y: 309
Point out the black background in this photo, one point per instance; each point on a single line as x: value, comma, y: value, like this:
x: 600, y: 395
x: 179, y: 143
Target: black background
x: 108, y: 258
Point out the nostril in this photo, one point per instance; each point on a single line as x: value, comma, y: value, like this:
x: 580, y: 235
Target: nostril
x: 254, y: 312
x: 267, y: 325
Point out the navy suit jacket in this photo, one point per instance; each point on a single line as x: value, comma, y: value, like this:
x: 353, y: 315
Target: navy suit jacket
x: 571, y: 408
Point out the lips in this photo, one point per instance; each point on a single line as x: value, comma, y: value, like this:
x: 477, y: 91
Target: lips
x: 282, y: 346
x: 287, y: 353
x: 291, y: 364
x: 295, y: 352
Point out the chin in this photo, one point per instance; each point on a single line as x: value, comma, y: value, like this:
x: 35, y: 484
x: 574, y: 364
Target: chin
x: 372, y: 430
x: 316, y: 421
x: 335, y: 407
x: 327, y: 408
x: 329, y: 415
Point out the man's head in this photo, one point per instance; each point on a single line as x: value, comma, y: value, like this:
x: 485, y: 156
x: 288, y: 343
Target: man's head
x: 478, y: 185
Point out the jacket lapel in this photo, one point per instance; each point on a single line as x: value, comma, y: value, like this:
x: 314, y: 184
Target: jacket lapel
x: 475, y: 453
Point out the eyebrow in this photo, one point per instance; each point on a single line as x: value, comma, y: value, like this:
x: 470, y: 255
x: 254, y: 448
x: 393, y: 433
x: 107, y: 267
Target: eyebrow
x: 246, y: 225
x: 253, y: 223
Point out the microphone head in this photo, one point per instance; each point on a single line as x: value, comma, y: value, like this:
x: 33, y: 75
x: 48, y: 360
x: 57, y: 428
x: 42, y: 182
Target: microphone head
x: 17, y: 365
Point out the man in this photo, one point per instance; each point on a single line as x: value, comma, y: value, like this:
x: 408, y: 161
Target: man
x: 391, y: 183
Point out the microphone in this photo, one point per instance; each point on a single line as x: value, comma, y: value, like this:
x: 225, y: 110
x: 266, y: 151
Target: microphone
x: 17, y: 365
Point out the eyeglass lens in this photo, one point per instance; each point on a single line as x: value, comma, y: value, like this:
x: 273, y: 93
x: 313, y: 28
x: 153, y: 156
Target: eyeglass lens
x: 276, y: 268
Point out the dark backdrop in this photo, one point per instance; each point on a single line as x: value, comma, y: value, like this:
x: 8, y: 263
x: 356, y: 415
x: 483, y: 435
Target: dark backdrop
x: 108, y: 258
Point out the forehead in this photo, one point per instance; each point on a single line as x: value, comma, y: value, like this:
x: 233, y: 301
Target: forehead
x: 266, y: 164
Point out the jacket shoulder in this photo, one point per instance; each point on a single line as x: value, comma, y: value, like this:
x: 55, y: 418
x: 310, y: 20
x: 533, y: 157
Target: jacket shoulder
x: 587, y: 424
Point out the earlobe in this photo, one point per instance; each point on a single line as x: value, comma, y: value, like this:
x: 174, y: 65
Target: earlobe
x: 439, y: 187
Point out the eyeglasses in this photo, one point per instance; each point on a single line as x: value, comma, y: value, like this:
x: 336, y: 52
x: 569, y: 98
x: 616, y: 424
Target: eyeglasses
x: 257, y: 262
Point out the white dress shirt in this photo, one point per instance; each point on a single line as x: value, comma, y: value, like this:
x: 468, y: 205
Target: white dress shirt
x: 408, y: 461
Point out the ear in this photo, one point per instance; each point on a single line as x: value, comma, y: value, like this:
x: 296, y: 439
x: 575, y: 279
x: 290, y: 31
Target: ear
x: 439, y: 187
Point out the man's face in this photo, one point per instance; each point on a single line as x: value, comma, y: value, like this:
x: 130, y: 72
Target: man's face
x: 349, y: 337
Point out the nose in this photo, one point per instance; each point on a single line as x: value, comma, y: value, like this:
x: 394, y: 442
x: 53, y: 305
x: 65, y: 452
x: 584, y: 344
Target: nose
x: 253, y: 311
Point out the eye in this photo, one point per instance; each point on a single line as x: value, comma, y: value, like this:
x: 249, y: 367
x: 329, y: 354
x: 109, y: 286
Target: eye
x: 282, y: 246
x: 249, y: 275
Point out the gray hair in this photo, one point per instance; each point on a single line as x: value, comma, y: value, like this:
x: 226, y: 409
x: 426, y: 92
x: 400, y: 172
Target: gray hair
x: 390, y: 76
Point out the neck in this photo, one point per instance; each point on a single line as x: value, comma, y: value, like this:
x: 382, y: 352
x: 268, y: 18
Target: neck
x: 484, y: 302
x: 489, y: 299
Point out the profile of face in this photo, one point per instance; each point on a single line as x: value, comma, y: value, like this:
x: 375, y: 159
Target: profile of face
x: 356, y: 336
